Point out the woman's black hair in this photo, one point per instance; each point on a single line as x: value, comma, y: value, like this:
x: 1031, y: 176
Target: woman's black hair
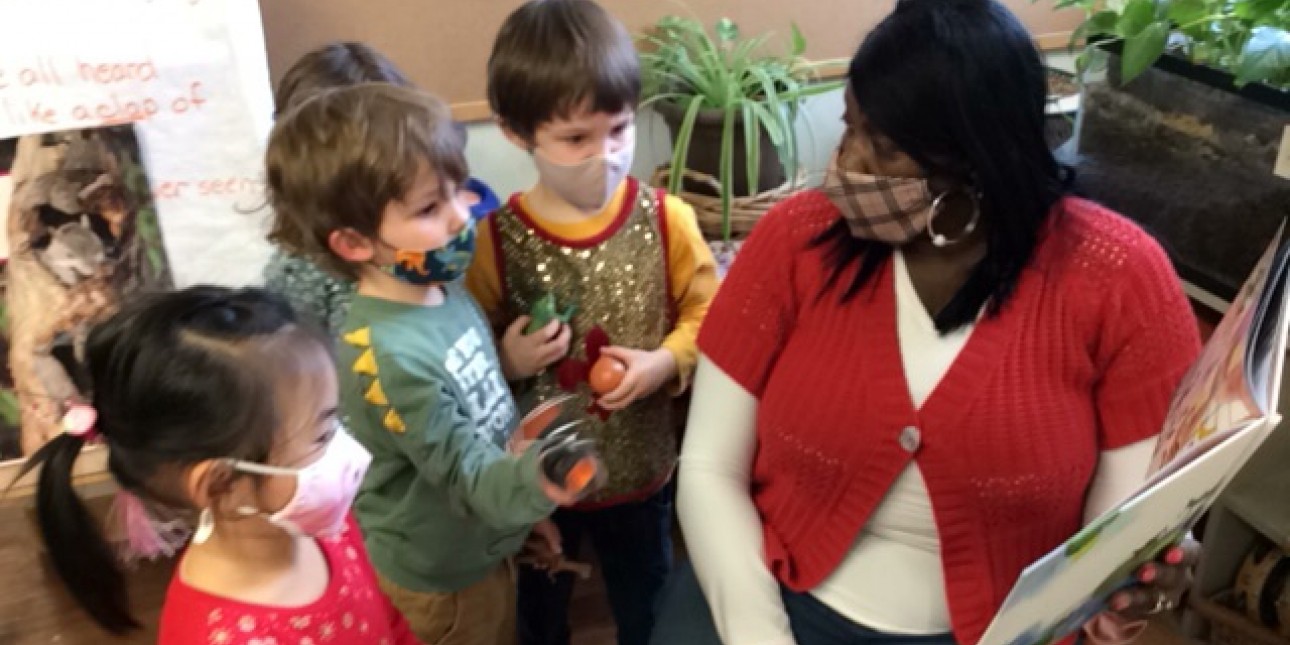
x: 959, y: 86
x: 178, y: 378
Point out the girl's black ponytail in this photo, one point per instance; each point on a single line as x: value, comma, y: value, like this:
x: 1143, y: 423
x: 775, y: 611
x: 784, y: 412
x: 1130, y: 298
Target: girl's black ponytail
x: 74, y: 540
x: 177, y: 379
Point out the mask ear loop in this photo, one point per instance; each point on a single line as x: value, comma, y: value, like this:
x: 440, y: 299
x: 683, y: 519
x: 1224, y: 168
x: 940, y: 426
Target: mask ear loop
x: 206, y: 519
x: 258, y: 469
x: 261, y: 469
x: 939, y: 240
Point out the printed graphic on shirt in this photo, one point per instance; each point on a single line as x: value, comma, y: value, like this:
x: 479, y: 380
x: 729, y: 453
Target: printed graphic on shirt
x: 478, y: 377
x: 473, y: 370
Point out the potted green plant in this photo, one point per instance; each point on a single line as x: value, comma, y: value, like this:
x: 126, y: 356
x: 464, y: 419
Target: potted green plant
x: 1182, y: 118
x: 1247, y: 38
x: 731, y: 108
x: 1063, y: 105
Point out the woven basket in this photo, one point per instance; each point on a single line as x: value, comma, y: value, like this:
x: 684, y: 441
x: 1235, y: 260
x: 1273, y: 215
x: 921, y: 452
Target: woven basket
x: 1228, y: 626
x: 744, y: 211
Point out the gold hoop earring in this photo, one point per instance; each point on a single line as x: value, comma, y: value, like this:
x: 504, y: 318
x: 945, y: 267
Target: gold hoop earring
x: 938, y: 239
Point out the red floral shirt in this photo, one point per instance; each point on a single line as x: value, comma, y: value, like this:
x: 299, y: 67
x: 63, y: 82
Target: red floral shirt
x: 351, y: 610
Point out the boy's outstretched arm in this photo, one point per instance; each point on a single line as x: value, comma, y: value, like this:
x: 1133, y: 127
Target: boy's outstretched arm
x: 451, y: 451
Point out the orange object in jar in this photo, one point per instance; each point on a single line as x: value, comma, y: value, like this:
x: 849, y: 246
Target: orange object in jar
x: 580, y: 475
x: 606, y: 375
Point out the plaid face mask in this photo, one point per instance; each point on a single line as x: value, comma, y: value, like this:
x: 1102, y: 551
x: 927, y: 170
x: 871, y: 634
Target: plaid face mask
x: 894, y: 210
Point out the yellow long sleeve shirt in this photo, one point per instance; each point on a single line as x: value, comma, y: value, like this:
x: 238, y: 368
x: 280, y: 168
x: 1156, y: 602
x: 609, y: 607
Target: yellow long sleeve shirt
x: 691, y: 268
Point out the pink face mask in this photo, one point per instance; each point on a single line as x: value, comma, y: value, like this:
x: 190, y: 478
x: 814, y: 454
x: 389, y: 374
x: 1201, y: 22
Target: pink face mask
x: 325, y: 489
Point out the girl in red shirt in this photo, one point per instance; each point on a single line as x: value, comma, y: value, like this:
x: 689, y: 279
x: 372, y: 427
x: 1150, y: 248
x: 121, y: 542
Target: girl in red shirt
x: 214, y: 403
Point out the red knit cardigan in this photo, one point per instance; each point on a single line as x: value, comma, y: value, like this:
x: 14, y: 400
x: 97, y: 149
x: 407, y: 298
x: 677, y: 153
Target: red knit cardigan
x: 1082, y: 359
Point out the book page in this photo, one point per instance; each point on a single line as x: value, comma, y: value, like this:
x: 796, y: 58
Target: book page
x: 1216, y: 396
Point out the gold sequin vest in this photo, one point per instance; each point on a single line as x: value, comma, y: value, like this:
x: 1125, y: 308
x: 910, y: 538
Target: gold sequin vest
x: 619, y: 282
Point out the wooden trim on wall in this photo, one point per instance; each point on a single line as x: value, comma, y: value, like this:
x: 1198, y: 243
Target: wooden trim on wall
x: 833, y: 72
x: 1205, y: 298
x: 90, y: 471
x: 478, y: 111
x: 471, y: 111
x: 1053, y: 42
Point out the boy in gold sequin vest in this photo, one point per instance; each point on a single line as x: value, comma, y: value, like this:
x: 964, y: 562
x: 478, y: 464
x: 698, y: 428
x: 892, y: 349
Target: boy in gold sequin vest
x: 564, y: 83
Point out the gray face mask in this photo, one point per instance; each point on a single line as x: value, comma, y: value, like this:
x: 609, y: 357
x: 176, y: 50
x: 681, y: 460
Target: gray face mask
x: 589, y: 184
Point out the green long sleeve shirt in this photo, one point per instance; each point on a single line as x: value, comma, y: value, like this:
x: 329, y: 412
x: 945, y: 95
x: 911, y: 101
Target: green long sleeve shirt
x: 443, y: 503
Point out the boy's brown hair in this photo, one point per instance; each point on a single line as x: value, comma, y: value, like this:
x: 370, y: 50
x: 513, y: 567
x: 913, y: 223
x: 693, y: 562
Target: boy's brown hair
x: 335, y: 161
x: 551, y: 56
x: 338, y: 64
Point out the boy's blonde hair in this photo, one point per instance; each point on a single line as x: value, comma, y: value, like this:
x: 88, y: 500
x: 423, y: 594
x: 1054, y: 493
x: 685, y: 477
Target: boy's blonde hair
x: 338, y: 159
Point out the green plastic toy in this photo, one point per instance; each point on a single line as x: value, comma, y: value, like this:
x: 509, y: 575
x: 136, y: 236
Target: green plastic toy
x: 545, y: 310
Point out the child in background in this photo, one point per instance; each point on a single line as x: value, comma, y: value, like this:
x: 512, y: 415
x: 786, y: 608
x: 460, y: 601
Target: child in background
x: 366, y: 181
x: 215, y: 400
x: 320, y: 298
x: 564, y: 81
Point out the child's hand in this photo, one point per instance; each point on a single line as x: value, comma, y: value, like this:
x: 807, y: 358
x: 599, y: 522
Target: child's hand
x: 524, y: 356
x: 543, y: 545
x: 542, y: 551
x: 568, y: 466
x: 558, y: 494
x: 646, y: 373
x: 519, y: 445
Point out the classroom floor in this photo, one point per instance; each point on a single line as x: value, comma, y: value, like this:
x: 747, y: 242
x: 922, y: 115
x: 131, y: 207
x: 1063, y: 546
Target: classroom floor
x: 34, y: 611
x: 593, y: 624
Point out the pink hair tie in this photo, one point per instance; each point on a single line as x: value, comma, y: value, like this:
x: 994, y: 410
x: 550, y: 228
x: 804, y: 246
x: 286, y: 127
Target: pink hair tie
x: 140, y: 531
x: 80, y: 421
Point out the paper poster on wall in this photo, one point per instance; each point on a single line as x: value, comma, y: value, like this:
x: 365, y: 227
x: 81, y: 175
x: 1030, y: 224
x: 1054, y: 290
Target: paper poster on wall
x: 140, y: 128
x: 10, y: 435
x: 191, y: 76
x: 84, y: 234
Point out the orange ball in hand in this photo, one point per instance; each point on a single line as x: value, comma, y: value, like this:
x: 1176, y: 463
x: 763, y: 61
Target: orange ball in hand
x: 606, y: 375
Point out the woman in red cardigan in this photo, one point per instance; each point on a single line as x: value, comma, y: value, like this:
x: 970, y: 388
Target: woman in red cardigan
x: 927, y: 374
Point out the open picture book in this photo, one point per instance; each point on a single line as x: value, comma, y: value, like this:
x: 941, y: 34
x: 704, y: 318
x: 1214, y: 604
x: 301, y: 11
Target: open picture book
x: 1224, y: 408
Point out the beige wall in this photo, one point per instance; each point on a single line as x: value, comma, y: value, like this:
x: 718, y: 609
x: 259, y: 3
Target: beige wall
x: 443, y: 44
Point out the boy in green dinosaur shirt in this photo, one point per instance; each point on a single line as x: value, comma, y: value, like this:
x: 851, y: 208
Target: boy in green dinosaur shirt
x: 366, y: 181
